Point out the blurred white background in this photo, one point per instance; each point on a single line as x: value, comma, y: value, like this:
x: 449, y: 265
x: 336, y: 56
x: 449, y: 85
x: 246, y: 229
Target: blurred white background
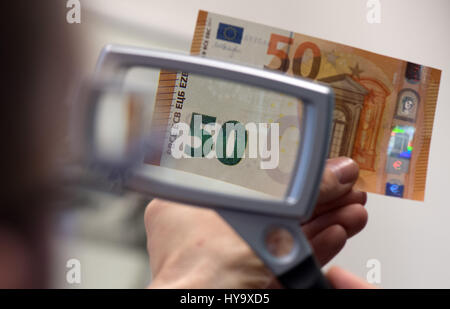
x: 410, y: 239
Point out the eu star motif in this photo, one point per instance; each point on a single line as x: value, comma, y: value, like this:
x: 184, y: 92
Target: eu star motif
x: 356, y: 71
x: 331, y: 57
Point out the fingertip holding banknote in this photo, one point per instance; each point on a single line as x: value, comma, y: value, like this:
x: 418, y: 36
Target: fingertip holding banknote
x: 345, y: 169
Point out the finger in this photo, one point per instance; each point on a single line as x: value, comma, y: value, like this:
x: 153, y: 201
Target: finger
x: 171, y: 212
x: 351, y: 197
x: 159, y: 210
x: 328, y: 243
x: 339, y: 176
x: 342, y: 279
x: 168, y: 220
x: 158, y: 226
x: 352, y: 218
x: 151, y: 211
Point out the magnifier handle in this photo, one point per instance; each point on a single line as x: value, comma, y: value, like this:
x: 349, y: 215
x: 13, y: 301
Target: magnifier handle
x: 306, y: 275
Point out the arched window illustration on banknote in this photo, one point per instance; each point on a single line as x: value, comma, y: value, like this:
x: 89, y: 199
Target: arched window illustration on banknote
x: 349, y: 96
x: 340, y: 125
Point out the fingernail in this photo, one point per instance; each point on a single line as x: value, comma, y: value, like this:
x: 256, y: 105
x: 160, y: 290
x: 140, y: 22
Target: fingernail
x: 364, y: 197
x: 345, y: 169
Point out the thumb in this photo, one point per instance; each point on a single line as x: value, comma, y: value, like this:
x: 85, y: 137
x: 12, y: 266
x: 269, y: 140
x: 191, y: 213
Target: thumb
x: 339, y: 176
x: 342, y: 279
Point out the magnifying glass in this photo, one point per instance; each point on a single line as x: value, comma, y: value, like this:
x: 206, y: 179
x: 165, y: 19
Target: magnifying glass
x: 247, y: 142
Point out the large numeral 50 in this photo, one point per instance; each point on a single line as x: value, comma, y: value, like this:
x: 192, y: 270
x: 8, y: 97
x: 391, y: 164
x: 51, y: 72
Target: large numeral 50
x: 298, y: 55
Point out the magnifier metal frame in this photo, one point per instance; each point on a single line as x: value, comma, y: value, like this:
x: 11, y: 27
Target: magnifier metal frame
x: 252, y: 218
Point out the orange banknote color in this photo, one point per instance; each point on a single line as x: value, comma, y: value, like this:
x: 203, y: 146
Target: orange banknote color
x: 384, y: 109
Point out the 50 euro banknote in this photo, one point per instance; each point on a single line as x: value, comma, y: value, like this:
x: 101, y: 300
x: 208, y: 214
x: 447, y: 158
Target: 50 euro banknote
x: 384, y: 107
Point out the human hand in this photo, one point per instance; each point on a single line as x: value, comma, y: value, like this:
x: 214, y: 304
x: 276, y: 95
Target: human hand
x: 342, y: 279
x: 193, y: 247
x: 339, y: 213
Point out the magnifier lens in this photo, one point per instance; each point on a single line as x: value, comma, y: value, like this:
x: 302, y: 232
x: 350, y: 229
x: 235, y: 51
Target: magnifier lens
x: 201, y: 132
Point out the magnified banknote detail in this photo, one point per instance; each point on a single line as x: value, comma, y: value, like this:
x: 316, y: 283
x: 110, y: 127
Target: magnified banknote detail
x: 226, y: 131
x: 384, y: 109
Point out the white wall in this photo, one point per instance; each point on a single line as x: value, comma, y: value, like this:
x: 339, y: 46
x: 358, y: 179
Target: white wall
x: 410, y: 239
